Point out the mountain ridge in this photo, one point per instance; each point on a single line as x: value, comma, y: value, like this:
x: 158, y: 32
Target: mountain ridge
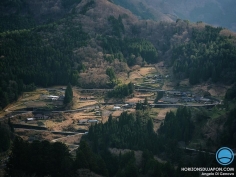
x: 214, y: 12
x: 95, y: 35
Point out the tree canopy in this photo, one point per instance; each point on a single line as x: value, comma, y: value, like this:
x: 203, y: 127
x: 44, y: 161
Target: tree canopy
x: 207, y: 55
x: 68, y: 94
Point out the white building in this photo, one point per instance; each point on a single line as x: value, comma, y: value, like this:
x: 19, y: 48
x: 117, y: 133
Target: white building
x: 116, y: 108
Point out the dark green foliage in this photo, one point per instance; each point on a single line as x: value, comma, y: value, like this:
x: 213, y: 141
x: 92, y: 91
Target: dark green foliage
x: 117, y: 26
x: 179, y: 126
x: 122, y: 91
x: 17, y: 22
x: 143, y: 48
x: 132, y: 132
x: 139, y: 106
x: 231, y: 93
x: 127, y: 165
x: 86, y: 159
x: 87, y: 6
x: 159, y: 96
x: 68, y: 94
x: 20, y: 14
x: 111, y: 45
x: 128, y: 47
x: 207, y: 55
x: 28, y: 59
x: 39, y: 158
x: 110, y: 72
x: 142, y: 106
x: 135, y: 132
x: 68, y: 3
x: 10, y: 124
x: 228, y: 137
x: 5, y: 137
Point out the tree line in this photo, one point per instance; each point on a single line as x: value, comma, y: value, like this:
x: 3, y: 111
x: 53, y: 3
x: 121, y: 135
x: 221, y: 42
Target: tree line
x: 135, y: 131
x: 128, y: 131
x: 207, y: 55
x: 40, y: 56
x: 42, y: 158
x: 124, y: 49
x: 121, y: 91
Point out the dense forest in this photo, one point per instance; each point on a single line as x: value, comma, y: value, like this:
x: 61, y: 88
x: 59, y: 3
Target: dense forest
x: 5, y: 137
x: 41, y: 56
x: 122, y: 91
x: 45, y: 53
x: 135, y: 131
x: 128, y: 131
x: 29, y: 159
x: 125, y: 49
x: 208, y: 53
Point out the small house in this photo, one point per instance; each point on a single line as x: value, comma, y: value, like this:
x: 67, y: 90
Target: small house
x: 97, y: 113
x: 116, y: 108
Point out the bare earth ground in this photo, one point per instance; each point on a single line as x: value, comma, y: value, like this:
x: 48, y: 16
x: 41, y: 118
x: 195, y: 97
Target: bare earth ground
x: 40, y: 135
x: 116, y: 113
x: 214, y: 89
x: 134, y: 100
x: 77, y: 103
x: 139, y: 73
x: 146, y: 70
x: 70, y: 120
x: 73, y: 139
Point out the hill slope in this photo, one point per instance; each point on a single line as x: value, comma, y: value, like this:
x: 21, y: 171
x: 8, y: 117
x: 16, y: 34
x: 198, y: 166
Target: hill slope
x: 90, y: 36
x: 215, y: 12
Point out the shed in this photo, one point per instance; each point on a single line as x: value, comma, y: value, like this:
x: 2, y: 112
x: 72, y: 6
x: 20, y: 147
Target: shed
x: 116, y: 108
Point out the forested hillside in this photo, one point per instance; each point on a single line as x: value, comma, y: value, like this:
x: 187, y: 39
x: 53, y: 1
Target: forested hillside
x: 42, y: 56
x: 208, y: 53
x: 139, y: 147
x: 90, y: 35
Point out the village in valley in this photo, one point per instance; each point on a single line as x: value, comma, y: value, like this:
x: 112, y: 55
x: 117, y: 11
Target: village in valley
x: 41, y: 115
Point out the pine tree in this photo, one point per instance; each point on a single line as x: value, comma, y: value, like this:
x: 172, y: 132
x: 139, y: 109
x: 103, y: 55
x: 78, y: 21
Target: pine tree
x: 68, y: 94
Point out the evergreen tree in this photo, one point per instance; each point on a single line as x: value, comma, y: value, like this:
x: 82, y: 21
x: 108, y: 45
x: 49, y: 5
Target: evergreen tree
x: 4, y: 138
x: 68, y: 94
x: 159, y: 96
x: 110, y: 72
